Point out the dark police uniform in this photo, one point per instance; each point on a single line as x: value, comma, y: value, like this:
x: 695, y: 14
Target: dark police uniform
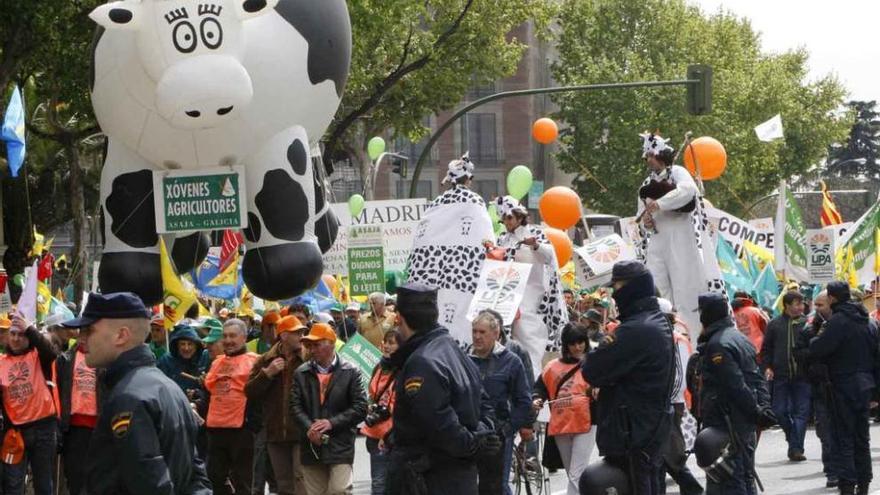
x: 633, y: 369
x: 441, y: 420
x: 733, y: 389
x: 144, y: 441
x: 848, y: 345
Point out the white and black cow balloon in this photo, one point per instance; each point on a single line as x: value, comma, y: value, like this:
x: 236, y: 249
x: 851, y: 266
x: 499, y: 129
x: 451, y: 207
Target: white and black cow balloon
x: 203, y: 83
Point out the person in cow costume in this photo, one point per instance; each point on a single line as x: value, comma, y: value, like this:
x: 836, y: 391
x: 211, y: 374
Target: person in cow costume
x: 679, y: 248
x: 180, y: 84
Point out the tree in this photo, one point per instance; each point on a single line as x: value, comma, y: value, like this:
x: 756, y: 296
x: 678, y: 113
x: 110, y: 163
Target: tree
x: 620, y: 41
x: 858, y: 156
x: 412, y: 58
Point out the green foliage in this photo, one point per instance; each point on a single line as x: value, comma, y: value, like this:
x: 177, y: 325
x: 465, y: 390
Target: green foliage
x: 622, y: 41
x: 859, y: 155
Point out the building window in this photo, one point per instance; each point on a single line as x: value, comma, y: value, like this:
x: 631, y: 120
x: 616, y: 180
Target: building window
x: 480, y: 90
x: 488, y: 189
x: 424, y: 189
x: 478, y: 132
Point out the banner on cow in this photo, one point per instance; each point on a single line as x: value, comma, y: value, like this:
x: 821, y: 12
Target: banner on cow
x: 820, y: 255
x: 595, y: 259
x: 501, y: 287
x: 361, y: 354
x: 207, y: 199
x: 366, y: 266
x: 399, y: 219
x: 736, y: 231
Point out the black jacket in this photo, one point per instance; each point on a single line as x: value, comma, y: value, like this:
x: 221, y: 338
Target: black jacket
x: 64, y: 381
x: 732, y: 383
x: 778, y: 350
x: 345, y: 405
x: 848, y: 345
x: 632, y: 367
x: 440, y: 405
x: 145, y: 439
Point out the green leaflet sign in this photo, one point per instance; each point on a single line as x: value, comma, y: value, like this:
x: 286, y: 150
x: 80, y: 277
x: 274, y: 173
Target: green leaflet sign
x: 359, y: 352
x: 207, y: 199
x: 366, y: 260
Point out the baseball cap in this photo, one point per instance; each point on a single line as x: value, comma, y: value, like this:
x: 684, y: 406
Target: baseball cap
x: 212, y: 323
x: 115, y: 305
x: 289, y: 323
x: 157, y: 319
x: 214, y: 335
x: 337, y: 308
x: 626, y: 270
x: 353, y: 307
x: 323, y: 317
x: 5, y: 323
x: 271, y: 317
x: 321, y: 331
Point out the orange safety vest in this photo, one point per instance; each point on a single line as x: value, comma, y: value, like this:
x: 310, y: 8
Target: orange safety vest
x: 571, y: 413
x: 83, y: 398
x: 226, y: 382
x: 380, y: 384
x: 26, y: 395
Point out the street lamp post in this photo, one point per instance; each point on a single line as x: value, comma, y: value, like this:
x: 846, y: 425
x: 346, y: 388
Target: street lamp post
x: 370, y: 183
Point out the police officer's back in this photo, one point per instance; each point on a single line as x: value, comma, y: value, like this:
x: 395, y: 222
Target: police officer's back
x: 144, y: 441
x: 848, y: 346
x: 633, y: 368
x: 439, y: 424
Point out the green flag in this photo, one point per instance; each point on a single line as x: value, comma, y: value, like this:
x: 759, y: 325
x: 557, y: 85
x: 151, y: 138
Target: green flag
x: 766, y: 288
x: 735, y: 276
x: 862, y: 238
x: 790, y: 242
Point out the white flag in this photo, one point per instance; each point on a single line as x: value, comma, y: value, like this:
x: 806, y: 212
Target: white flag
x: 27, y: 302
x: 770, y: 130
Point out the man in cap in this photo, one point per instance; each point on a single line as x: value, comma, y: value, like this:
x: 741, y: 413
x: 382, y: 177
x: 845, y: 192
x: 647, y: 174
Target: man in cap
x: 733, y: 396
x: 271, y: 384
x: 848, y: 346
x: 633, y: 368
x: 377, y: 321
x: 346, y: 327
x: 212, y: 340
x: 267, y: 333
x: 144, y: 441
x: 5, y: 324
x: 328, y: 402
x: 158, y: 336
x: 442, y: 418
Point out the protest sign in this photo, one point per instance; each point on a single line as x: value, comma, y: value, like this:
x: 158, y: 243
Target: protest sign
x: 191, y: 200
x: 736, y: 231
x: 820, y: 255
x: 366, y: 266
x: 791, y: 237
x: 501, y: 287
x: 860, y: 243
x: 399, y: 219
x: 361, y: 354
x: 595, y: 259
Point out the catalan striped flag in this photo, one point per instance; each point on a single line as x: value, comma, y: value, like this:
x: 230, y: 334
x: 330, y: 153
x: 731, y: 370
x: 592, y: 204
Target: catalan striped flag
x: 829, y: 215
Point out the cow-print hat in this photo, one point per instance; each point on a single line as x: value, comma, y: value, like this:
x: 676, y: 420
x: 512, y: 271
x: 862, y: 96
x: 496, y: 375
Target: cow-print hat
x: 508, y: 205
x: 463, y: 167
x: 653, y: 144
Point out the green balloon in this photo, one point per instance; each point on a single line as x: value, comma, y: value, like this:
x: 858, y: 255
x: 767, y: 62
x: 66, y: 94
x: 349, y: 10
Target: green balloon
x: 375, y: 147
x: 355, y: 205
x: 519, y: 181
x: 18, y: 280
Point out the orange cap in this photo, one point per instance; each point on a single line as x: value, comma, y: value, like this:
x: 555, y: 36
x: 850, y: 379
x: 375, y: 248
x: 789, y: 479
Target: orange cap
x: 288, y: 324
x: 5, y: 323
x: 321, y: 331
x: 271, y: 317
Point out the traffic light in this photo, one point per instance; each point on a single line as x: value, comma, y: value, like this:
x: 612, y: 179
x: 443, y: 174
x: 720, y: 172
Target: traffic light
x: 699, y: 95
x: 398, y: 165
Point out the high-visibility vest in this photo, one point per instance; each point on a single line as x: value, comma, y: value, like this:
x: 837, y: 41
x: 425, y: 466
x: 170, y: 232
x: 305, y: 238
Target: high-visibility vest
x: 570, y: 409
x: 83, y: 395
x: 26, y: 395
x: 226, y: 382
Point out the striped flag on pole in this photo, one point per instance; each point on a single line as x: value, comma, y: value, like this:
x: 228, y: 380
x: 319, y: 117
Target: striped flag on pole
x: 829, y: 215
x: 229, y: 247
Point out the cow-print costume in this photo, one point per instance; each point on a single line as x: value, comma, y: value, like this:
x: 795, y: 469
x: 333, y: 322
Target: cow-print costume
x: 552, y: 309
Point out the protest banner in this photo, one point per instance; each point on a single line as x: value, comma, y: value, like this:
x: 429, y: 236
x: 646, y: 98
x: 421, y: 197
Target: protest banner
x: 595, y: 259
x: 820, y: 255
x: 790, y: 251
x: 736, y: 231
x: 361, y: 354
x: 206, y: 199
x: 501, y: 287
x: 399, y: 219
x: 366, y: 265
x: 861, y: 240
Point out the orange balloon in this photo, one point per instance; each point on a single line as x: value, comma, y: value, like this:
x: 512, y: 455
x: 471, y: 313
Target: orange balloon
x: 561, y: 244
x: 545, y: 131
x: 709, y: 154
x: 329, y: 281
x: 560, y: 207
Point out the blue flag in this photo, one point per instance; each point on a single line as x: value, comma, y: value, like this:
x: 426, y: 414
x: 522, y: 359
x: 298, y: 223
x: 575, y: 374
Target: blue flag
x: 13, y: 132
x: 766, y: 288
x: 735, y: 276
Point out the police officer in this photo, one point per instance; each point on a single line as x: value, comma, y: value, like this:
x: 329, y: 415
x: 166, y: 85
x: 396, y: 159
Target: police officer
x: 144, y: 441
x: 441, y: 424
x: 633, y: 369
x: 848, y: 346
x: 734, y: 397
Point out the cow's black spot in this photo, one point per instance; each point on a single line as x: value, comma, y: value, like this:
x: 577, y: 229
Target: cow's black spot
x: 326, y: 27
x: 279, y: 203
x: 252, y: 6
x: 254, y: 228
x: 188, y: 252
x: 283, y: 271
x: 297, y: 157
x: 130, y: 206
x: 319, y: 193
x: 120, y: 16
x: 326, y: 229
x: 97, y: 37
x: 132, y: 272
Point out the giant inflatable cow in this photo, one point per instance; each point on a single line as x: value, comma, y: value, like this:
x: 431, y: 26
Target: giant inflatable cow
x: 187, y: 84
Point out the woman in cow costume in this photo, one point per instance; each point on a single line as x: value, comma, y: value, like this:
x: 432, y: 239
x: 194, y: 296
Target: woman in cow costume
x: 542, y: 312
x: 678, y: 245
x: 180, y: 84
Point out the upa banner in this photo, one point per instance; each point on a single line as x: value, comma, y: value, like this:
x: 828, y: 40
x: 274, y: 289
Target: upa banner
x: 820, y: 255
x: 595, y: 259
x: 399, y: 220
x: 361, y: 354
x: 208, y: 199
x: 737, y: 231
x: 501, y: 287
x: 366, y: 266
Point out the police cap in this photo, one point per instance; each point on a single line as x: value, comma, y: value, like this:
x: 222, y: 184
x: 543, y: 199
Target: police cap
x: 116, y: 305
x: 413, y: 295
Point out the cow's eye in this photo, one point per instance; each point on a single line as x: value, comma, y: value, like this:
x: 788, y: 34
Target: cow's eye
x: 184, y: 36
x: 212, y: 33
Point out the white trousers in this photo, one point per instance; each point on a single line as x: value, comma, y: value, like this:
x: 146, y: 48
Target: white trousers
x: 575, y: 450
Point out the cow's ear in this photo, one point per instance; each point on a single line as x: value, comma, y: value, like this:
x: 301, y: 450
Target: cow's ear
x: 118, y: 15
x: 248, y: 9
